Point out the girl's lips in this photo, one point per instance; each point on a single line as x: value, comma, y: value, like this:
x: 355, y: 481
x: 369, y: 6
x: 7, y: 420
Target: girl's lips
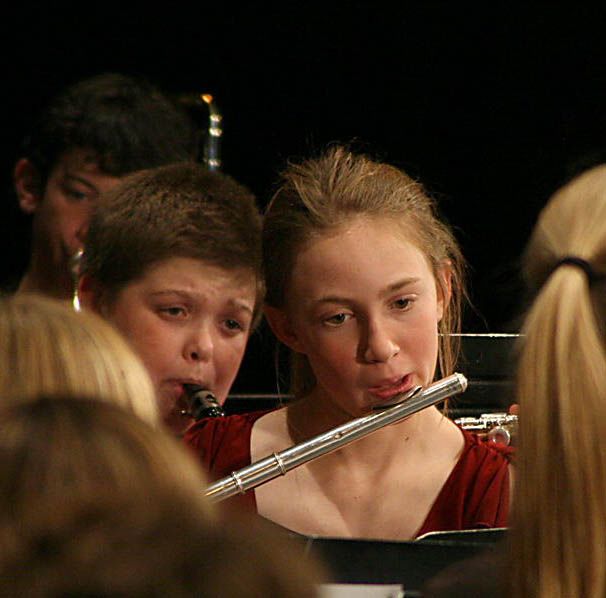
x: 387, y: 391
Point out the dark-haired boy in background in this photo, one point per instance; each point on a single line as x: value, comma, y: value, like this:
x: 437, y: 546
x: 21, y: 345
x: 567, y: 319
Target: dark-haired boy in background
x: 87, y: 138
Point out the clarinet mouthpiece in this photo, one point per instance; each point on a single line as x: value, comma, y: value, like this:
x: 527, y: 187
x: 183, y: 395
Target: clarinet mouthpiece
x: 202, y: 402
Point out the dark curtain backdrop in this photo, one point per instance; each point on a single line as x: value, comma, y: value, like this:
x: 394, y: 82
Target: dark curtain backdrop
x: 492, y: 108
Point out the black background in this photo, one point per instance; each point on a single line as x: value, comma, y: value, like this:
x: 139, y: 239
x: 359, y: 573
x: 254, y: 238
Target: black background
x: 491, y: 107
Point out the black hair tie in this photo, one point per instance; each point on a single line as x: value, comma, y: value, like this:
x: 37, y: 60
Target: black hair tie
x: 579, y: 262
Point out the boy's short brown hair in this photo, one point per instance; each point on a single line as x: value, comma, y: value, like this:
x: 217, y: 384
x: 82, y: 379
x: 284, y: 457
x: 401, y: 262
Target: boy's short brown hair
x: 180, y: 210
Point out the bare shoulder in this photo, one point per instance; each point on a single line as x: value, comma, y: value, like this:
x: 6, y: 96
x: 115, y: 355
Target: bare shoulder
x: 269, y: 434
x: 444, y: 437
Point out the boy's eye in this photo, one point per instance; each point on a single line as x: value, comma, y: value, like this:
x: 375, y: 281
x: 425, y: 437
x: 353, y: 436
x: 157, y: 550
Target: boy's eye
x: 173, y: 311
x: 232, y: 324
x: 74, y: 194
x: 337, y: 319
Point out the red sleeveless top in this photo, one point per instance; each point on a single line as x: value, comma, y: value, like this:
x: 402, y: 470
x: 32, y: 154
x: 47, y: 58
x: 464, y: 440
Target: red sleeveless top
x: 475, y: 494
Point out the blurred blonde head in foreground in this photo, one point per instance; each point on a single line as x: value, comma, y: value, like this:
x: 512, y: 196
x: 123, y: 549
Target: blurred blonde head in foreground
x: 96, y: 502
x: 46, y: 348
x: 558, y: 546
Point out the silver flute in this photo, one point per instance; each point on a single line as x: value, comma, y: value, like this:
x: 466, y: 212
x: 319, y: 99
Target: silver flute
x: 501, y: 428
x: 278, y: 464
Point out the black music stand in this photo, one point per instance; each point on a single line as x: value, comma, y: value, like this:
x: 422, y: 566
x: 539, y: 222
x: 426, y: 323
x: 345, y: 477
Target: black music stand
x: 410, y: 564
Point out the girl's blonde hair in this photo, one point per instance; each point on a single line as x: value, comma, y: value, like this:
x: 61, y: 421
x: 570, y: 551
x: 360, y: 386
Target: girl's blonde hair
x: 320, y: 195
x: 46, y: 348
x: 558, y: 541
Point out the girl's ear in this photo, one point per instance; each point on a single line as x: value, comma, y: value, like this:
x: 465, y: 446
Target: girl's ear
x: 91, y: 295
x: 443, y: 287
x: 27, y: 185
x: 282, y: 327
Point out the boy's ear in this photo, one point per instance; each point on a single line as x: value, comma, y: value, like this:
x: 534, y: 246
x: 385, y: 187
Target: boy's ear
x: 27, y: 185
x: 90, y: 294
x: 444, y: 287
x: 281, y: 326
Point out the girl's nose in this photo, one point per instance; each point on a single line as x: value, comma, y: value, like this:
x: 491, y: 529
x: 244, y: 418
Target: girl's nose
x: 380, y: 345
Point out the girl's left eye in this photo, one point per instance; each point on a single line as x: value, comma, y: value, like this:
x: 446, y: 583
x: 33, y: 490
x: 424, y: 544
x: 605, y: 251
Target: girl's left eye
x: 402, y: 303
x: 337, y: 319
